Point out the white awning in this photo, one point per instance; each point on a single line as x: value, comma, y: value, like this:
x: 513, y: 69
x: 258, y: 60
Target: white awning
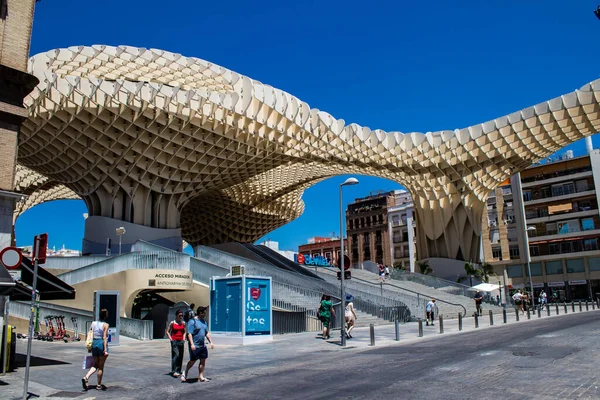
x: 486, y: 287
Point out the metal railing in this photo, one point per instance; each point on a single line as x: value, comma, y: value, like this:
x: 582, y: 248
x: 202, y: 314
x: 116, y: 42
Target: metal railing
x: 434, y: 282
x: 137, y: 260
x: 133, y: 328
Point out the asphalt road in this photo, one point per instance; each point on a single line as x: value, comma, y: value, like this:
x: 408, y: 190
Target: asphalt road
x: 545, y: 359
x: 549, y: 358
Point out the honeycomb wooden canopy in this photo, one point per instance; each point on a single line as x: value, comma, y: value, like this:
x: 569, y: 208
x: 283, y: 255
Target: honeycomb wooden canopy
x: 167, y: 141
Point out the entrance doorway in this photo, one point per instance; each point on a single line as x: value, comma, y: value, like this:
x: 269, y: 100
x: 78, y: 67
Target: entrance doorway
x: 149, y: 305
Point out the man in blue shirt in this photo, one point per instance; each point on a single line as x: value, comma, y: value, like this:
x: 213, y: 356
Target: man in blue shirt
x: 478, y: 299
x: 430, y: 309
x: 197, y: 332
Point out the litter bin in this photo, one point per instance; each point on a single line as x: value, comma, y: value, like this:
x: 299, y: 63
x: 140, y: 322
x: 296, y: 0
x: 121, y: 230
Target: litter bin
x: 11, y: 346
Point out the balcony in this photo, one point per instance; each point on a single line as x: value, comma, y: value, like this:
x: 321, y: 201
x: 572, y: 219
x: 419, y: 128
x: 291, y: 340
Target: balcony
x: 548, y: 180
x: 558, y: 217
x: 564, y: 236
x: 569, y: 196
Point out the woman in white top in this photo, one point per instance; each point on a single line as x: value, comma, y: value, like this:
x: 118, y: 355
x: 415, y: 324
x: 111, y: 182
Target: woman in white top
x: 350, y: 315
x: 99, y: 350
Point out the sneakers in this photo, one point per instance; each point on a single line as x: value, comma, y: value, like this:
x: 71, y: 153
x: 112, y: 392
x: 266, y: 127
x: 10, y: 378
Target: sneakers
x: 183, y: 378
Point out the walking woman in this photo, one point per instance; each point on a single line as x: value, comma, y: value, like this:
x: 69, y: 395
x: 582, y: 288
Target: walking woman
x: 176, y: 334
x: 99, y: 350
x: 350, y: 315
x: 326, y: 311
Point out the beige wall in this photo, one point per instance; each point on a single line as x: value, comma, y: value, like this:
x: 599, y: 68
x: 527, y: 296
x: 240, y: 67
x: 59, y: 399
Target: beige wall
x: 132, y: 282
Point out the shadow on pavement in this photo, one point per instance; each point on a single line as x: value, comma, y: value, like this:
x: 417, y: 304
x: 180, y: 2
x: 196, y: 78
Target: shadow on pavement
x: 20, y: 360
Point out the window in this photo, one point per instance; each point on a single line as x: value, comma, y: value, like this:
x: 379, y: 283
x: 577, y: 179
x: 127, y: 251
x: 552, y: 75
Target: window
x: 585, y: 206
x: 395, y: 220
x: 563, y: 189
x: 587, y: 224
x: 575, y: 265
x: 536, y: 269
x: 527, y: 195
x: 542, y: 212
x: 506, y: 190
x: 534, y: 250
x: 397, y: 252
x: 590, y: 244
x: 397, y: 238
x: 497, y: 253
x: 554, y: 248
x: 514, y: 271
x: 582, y: 186
x: 594, y: 263
x: 351, y: 223
x: 495, y: 236
x: 514, y: 252
x: 554, y: 267
x: 551, y: 228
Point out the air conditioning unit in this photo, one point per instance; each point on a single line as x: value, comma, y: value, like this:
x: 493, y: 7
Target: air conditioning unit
x: 236, y: 270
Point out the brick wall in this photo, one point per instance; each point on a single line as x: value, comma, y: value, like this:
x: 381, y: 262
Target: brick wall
x: 8, y: 148
x: 15, y: 34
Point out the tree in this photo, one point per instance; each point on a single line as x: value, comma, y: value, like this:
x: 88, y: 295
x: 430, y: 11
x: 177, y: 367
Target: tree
x: 424, y: 267
x: 470, y: 271
x: 486, y: 269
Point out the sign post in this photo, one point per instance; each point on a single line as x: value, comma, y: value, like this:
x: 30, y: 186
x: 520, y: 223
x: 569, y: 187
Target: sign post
x: 39, y: 257
x: 11, y: 258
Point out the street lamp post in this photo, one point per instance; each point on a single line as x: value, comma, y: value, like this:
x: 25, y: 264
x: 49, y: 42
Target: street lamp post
x: 348, y: 182
x: 120, y: 232
x: 528, y: 255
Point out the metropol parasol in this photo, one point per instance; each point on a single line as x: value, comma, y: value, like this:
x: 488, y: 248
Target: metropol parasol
x: 175, y: 147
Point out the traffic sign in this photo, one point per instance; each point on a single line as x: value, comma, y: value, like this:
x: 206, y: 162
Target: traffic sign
x: 11, y: 257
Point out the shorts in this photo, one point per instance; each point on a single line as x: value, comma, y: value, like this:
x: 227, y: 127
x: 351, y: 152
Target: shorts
x: 98, y: 348
x: 200, y: 353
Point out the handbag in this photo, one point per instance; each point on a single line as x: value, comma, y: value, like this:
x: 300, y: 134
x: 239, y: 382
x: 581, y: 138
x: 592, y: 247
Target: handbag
x: 88, y: 362
x: 89, y: 339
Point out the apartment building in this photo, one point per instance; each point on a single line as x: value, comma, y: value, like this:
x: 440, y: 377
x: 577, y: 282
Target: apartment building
x: 401, y: 227
x: 556, y: 205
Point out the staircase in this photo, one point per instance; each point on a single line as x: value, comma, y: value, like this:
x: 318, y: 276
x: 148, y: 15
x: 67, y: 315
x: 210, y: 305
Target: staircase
x: 446, y: 310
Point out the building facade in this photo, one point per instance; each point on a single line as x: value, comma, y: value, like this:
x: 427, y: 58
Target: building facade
x: 329, y: 248
x: 556, y: 205
x: 368, y: 229
x: 401, y: 228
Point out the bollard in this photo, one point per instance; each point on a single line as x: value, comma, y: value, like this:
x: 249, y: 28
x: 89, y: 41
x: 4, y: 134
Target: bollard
x: 565, y: 304
x: 573, y: 306
x: 459, y: 321
x: 517, y: 314
x: 397, y: 330
x: 556, y: 308
x: 528, y: 313
x: 476, y: 320
x: 593, y: 305
x: 540, y: 312
x: 587, y: 306
x: 491, y: 318
x: 548, y: 309
x: 441, y: 324
x: 420, y: 327
x: 580, y: 308
x: 372, y: 332
x: 504, y: 315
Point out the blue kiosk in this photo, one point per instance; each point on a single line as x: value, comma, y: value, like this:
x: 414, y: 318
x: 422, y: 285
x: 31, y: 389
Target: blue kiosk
x: 241, y: 309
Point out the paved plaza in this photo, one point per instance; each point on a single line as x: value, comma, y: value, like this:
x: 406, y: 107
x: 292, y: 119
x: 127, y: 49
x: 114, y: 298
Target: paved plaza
x: 541, y: 358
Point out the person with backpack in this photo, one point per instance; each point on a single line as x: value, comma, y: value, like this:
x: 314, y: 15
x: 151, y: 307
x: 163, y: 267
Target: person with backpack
x: 176, y: 335
x: 197, y: 333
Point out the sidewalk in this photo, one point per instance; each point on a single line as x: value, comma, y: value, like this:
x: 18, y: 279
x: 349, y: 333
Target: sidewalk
x: 135, y: 367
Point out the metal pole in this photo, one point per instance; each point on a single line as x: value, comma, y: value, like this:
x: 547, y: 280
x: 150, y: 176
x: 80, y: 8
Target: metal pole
x: 5, y: 339
x: 341, y: 263
x: 528, y: 314
x: 566, y: 311
x: 587, y: 306
x: 573, y: 306
x: 540, y: 312
x: 556, y: 308
x: 120, y: 236
x: 548, y: 309
x: 31, y: 317
x: 459, y: 321
x: 504, y: 315
x: 517, y: 314
x: 397, y: 330
x: 420, y: 327
x: 441, y: 324
x: 476, y: 321
x: 372, y: 333
x: 491, y: 318
x: 580, y: 308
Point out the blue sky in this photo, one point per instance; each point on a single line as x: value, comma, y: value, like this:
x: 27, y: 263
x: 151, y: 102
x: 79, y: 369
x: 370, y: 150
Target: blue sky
x: 398, y: 66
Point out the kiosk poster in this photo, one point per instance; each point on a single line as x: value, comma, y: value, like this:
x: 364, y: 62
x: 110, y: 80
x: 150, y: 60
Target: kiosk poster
x: 258, y: 306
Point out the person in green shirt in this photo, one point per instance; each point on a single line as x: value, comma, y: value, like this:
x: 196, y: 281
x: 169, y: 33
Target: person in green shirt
x: 326, y: 311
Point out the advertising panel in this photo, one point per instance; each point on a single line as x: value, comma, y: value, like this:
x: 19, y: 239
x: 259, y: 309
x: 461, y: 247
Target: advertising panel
x: 258, y: 306
x: 166, y: 278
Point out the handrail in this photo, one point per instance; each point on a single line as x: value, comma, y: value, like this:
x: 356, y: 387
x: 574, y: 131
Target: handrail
x: 408, y: 290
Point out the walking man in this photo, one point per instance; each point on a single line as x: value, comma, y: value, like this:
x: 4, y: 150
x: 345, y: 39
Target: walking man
x: 430, y: 309
x: 478, y: 299
x: 197, y: 332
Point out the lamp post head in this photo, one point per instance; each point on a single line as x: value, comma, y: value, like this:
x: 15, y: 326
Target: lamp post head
x: 120, y: 231
x: 350, y: 181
